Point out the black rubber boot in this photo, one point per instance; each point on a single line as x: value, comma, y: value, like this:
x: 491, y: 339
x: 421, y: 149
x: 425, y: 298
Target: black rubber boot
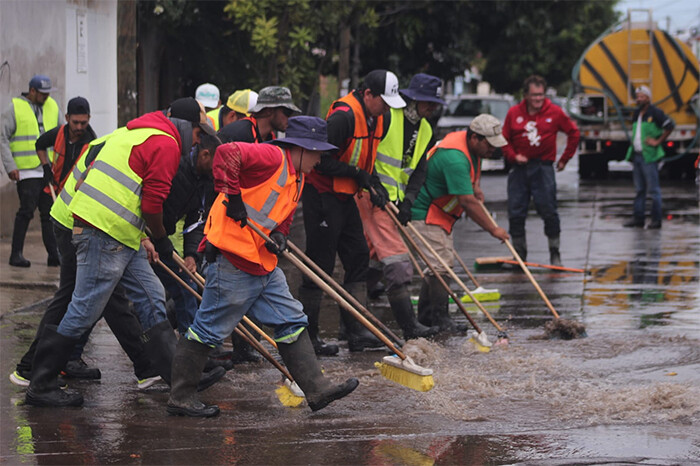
x: 425, y: 315
x: 310, y: 298
x: 18, y: 260
x: 190, y: 358
x: 359, y: 338
x: 554, y: 256
x: 242, y: 351
x: 77, y: 369
x: 636, y: 222
x: 400, y: 302
x: 301, y: 361
x: 520, y: 245
x: 160, y: 343
x: 18, y: 234
x: 51, y: 355
x: 438, y: 306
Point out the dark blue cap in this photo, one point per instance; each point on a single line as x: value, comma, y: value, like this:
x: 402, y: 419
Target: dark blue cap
x: 424, y: 88
x: 308, y: 132
x: 78, y: 106
x: 41, y: 83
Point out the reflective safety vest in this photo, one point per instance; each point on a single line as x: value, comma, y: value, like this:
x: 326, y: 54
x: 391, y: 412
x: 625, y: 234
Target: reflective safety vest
x: 267, y: 205
x: 213, y: 116
x: 446, y: 210
x: 362, y: 150
x: 110, y: 195
x: 22, y: 143
x: 390, y: 155
x: 254, y: 130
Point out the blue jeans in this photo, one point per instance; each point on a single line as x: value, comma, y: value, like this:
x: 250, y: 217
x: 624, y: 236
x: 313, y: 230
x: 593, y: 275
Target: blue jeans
x: 102, y: 264
x: 533, y: 180
x: 230, y: 293
x: 646, y: 181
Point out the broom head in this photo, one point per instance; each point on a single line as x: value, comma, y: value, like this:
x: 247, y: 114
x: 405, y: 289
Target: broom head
x: 481, y: 341
x: 406, y: 372
x: 483, y: 295
x: 290, y: 394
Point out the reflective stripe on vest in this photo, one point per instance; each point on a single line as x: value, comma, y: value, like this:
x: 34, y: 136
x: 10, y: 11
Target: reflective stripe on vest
x: 22, y: 142
x: 445, y: 210
x: 110, y: 196
x: 267, y: 205
x: 362, y: 150
x: 390, y: 155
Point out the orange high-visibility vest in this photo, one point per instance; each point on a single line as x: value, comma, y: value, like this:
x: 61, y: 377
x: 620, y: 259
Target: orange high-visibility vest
x: 267, y: 205
x: 254, y: 130
x: 362, y: 150
x: 445, y: 210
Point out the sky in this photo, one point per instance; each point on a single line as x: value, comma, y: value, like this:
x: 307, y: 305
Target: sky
x: 683, y: 13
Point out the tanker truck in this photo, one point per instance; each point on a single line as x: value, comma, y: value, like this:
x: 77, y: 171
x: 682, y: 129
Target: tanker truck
x: 602, y: 99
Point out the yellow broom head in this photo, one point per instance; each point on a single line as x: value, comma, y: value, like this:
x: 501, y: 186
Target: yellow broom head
x: 290, y: 394
x: 406, y: 372
x: 483, y: 295
x: 481, y: 341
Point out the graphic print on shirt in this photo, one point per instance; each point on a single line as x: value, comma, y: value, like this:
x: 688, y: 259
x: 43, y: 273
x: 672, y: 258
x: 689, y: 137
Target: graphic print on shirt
x: 532, y: 135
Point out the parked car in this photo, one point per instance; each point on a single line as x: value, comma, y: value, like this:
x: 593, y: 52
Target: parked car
x: 461, y: 110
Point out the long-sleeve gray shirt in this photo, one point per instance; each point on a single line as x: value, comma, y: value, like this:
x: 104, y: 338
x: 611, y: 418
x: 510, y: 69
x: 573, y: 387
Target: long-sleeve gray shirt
x: 9, y: 126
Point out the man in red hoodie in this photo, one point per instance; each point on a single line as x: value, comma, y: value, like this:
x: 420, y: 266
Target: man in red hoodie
x: 531, y: 131
x: 118, y: 191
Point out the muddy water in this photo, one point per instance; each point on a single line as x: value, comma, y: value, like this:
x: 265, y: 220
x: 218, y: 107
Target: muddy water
x: 628, y: 393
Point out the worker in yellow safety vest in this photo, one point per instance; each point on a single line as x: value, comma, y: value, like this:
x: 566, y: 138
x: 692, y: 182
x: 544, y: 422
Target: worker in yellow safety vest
x: 28, y: 117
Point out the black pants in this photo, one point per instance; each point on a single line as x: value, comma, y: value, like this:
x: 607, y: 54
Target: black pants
x: 31, y: 195
x: 123, y: 323
x: 334, y: 226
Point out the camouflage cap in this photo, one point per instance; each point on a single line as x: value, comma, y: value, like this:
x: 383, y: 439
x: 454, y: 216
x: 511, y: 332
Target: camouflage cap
x: 274, y: 96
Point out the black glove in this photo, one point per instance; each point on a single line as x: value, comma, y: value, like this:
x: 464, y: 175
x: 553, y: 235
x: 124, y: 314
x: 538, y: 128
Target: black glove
x: 164, y: 247
x: 378, y: 194
x: 48, y: 173
x: 404, y: 215
x: 235, y: 209
x: 278, y: 244
x: 364, y: 179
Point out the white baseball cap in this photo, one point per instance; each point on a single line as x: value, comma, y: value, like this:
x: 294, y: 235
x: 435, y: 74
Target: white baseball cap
x: 208, y: 95
x: 386, y: 84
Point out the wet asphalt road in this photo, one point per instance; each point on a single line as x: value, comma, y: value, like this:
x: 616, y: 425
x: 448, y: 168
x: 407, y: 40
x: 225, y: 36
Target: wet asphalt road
x: 630, y: 392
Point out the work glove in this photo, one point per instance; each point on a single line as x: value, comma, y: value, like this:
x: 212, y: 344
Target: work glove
x: 363, y: 179
x: 235, y: 209
x: 278, y: 244
x: 378, y: 194
x: 404, y: 214
x: 164, y: 247
x: 48, y: 173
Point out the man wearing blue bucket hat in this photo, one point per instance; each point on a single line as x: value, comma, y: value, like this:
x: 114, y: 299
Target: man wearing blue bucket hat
x: 261, y: 184
x: 400, y: 166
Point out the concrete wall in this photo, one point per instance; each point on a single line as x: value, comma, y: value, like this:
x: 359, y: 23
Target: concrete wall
x: 41, y: 36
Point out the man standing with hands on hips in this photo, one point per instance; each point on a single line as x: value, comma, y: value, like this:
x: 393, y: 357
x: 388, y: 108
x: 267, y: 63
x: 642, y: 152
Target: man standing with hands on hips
x: 531, y: 129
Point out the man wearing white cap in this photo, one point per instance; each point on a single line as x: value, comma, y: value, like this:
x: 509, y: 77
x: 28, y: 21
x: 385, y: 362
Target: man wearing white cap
x: 331, y: 218
x: 650, y: 129
x: 452, y: 187
x: 208, y: 95
x: 28, y: 117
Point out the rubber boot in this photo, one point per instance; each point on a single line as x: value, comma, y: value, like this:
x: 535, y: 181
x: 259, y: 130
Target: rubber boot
x: 242, y: 351
x: 425, y: 315
x: 18, y: 234
x: 160, y: 343
x: 400, y: 302
x: 438, y: 306
x: 188, y: 362
x: 310, y: 298
x: 554, y: 256
x: 301, y: 361
x: 51, y: 355
x: 520, y: 245
x: 78, y: 369
x: 359, y: 338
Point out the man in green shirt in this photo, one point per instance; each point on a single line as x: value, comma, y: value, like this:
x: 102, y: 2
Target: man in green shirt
x: 452, y: 187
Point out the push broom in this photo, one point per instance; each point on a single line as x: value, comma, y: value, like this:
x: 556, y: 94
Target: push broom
x: 565, y: 328
x: 289, y: 393
x: 483, y: 294
x: 479, y: 338
x: 399, y: 368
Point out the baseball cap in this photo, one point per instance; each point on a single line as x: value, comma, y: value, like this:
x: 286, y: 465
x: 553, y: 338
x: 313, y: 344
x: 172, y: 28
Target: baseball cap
x: 189, y: 109
x: 308, y: 132
x: 386, y: 84
x: 78, y: 106
x: 274, y: 96
x: 242, y: 101
x: 489, y: 126
x: 424, y: 88
x: 41, y: 83
x: 643, y: 90
x: 208, y: 95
